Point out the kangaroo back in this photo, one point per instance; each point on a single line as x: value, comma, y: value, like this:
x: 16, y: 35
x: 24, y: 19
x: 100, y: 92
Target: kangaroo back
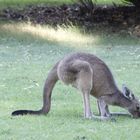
x: 48, y: 87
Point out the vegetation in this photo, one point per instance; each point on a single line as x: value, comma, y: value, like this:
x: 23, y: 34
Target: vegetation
x: 17, y: 3
x: 28, y: 52
x: 134, y: 2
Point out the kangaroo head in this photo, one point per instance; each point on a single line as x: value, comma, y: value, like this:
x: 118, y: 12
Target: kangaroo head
x: 134, y: 107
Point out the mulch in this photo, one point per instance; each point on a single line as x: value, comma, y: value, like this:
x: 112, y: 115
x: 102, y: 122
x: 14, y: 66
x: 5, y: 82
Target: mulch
x: 76, y: 14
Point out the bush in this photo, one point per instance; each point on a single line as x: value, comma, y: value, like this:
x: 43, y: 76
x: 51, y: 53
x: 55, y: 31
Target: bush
x: 134, y: 2
x: 87, y: 6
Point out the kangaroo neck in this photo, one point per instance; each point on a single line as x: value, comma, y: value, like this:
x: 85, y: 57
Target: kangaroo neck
x: 121, y: 100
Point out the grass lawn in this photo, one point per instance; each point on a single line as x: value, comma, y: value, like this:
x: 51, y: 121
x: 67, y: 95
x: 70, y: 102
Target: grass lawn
x: 27, y: 53
x: 17, y: 3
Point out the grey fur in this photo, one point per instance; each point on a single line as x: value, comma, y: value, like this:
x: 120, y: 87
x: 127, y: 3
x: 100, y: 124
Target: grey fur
x: 91, y: 76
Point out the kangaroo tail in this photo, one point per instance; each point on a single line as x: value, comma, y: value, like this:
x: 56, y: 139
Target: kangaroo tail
x: 48, y: 87
x: 26, y: 112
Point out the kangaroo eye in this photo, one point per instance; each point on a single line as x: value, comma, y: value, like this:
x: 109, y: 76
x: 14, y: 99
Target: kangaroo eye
x: 137, y: 107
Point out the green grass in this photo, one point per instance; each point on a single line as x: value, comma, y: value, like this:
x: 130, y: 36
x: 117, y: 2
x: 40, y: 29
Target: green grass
x: 26, y: 56
x: 21, y: 3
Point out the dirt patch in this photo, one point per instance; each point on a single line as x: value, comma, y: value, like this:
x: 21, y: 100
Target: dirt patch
x: 118, y: 17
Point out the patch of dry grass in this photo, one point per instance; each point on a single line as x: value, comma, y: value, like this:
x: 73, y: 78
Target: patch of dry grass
x: 60, y: 35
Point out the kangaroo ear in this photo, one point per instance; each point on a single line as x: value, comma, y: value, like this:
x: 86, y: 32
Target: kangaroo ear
x: 127, y: 93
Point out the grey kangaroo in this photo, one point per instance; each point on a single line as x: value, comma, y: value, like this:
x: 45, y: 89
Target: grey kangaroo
x: 91, y: 76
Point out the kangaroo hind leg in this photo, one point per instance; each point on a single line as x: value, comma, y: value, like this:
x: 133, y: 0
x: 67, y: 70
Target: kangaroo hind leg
x: 84, y: 84
x: 87, y: 108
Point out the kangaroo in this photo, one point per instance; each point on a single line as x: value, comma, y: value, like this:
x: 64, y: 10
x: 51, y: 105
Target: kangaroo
x: 91, y: 76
